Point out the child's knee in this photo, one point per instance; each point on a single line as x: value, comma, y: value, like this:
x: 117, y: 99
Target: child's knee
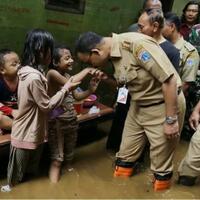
x: 56, y: 164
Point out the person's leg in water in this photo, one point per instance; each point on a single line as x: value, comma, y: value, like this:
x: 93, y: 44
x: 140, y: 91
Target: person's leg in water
x: 56, y: 142
x: 55, y: 171
x: 70, y: 139
x: 19, y: 160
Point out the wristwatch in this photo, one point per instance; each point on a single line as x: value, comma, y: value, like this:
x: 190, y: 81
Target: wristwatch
x: 171, y: 120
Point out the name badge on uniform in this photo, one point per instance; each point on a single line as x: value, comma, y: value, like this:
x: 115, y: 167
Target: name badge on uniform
x: 122, y: 95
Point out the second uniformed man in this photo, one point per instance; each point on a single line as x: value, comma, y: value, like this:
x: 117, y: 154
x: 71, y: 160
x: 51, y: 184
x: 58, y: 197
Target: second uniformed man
x: 157, y: 103
x: 188, y: 66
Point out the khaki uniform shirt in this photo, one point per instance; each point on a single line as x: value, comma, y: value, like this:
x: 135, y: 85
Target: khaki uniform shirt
x: 141, y: 63
x: 189, y: 59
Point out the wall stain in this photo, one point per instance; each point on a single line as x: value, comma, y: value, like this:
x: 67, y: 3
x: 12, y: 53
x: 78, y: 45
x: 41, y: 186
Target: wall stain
x: 62, y: 23
x: 14, y: 9
x: 114, y: 8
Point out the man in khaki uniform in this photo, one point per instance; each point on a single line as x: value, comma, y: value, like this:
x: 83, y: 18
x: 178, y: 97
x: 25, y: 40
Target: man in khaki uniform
x: 188, y: 67
x: 189, y: 168
x: 189, y: 55
x: 157, y: 103
x: 151, y: 23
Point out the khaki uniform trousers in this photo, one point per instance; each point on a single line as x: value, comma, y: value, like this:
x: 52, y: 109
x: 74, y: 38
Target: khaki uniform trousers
x: 190, y: 165
x: 144, y: 124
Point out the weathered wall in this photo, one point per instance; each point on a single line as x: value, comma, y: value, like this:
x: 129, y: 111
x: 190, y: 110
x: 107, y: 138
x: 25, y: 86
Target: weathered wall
x: 178, y: 6
x: 102, y: 16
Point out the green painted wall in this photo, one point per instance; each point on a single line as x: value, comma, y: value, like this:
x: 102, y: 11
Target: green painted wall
x: 178, y: 6
x: 101, y: 16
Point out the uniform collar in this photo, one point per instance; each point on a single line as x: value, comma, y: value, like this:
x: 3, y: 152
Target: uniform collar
x: 115, y: 48
x: 179, y: 43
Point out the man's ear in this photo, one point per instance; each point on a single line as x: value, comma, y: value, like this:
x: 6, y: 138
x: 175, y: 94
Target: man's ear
x: 173, y: 27
x: 155, y: 26
x: 96, y: 51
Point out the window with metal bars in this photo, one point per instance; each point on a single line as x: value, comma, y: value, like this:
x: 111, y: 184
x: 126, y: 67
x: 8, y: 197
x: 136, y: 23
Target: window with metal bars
x: 73, y: 6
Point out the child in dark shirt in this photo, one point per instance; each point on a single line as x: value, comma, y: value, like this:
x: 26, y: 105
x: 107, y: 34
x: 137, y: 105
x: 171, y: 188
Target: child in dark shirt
x: 9, y: 64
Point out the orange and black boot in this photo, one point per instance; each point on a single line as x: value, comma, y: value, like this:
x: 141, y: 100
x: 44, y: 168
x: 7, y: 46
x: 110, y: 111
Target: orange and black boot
x: 162, y: 182
x: 123, y: 169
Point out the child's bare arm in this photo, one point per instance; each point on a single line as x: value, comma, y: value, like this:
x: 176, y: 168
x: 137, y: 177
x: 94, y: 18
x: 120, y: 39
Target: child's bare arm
x: 54, y: 77
x: 82, y: 74
x: 89, y: 70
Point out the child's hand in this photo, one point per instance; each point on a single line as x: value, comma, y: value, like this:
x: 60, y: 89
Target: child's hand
x: 70, y: 85
x: 98, y: 73
x: 94, y: 82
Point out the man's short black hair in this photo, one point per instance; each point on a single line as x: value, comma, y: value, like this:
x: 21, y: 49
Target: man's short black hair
x: 146, y: 2
x: 173, y: 18
x: 155, y: 15
x: 86, y: 42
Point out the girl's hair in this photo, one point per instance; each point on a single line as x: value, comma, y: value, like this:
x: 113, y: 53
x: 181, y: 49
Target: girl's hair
x: 37, y: 41
x: 183, y: 19
x: 57, y: 55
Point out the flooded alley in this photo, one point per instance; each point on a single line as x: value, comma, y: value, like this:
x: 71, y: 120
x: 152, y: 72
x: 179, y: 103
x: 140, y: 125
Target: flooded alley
x: 92, y: 178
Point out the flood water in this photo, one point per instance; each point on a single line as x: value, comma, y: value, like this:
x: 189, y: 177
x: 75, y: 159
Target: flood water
x: 92, y: 178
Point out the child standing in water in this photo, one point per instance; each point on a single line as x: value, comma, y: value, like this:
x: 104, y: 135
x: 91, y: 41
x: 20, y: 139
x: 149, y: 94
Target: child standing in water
x: 63, y: 120
x: 30, y: 125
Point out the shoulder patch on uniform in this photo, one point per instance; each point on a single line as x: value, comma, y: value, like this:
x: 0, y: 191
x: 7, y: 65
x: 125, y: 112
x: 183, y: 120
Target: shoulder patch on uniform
x: 144, y: 56
x: 189, y: 46
x: 190, y: 62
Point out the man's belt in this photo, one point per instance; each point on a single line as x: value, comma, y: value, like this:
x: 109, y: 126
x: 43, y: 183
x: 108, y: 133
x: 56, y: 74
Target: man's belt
x: 152, y: 104
x: 160, y: 102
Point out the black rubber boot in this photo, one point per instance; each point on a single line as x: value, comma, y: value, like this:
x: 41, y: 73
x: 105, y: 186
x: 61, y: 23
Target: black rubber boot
x: 121, y: 163
x: 187, y: 180
x: 163, y: 178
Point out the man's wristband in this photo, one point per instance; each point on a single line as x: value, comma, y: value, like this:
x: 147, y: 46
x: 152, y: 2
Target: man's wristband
x: 171, y: 120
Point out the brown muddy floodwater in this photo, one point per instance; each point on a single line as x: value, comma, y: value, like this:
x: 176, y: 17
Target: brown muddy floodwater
x: 92, y: 178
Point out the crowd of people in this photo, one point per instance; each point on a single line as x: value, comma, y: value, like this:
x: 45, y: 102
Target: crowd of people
x: 156, y: 68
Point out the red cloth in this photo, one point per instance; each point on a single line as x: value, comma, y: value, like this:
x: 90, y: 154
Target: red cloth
x: 6, y: 110
x: 185, y: 31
